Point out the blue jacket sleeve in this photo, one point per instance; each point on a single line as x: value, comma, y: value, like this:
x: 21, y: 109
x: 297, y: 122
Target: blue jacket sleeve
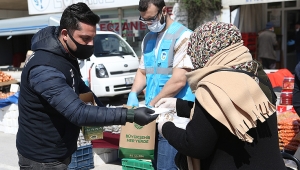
x: 52, y: 86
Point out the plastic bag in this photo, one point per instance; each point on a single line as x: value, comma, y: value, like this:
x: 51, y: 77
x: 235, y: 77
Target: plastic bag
x: 11, y: 99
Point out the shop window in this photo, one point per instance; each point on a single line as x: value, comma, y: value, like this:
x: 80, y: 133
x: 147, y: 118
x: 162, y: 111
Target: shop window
x: 288, y: 4
x: 133, y: 31
x: 275, y: 18
x: 274, y: 5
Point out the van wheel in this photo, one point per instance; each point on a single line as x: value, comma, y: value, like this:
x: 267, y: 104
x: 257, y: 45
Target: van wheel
x: 117, y: 98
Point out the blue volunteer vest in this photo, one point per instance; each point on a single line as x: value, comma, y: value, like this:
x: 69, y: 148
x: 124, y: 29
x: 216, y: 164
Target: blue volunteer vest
x: 159, y: 68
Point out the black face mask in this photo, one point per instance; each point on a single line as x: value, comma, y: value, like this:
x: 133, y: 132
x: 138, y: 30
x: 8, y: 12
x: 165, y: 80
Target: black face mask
x: 82, y: 51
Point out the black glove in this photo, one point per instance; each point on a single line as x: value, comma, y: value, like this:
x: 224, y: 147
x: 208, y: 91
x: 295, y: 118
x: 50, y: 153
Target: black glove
x: 141, y: 115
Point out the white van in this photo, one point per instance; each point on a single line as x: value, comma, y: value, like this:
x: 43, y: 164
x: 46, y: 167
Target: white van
x: 110, y: 71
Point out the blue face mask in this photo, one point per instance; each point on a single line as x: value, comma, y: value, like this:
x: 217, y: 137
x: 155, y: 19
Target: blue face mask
x: 82, y: 51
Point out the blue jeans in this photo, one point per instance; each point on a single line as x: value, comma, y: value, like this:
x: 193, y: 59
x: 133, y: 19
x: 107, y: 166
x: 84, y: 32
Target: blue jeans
x: 27, y: 164
x: 165, y: 155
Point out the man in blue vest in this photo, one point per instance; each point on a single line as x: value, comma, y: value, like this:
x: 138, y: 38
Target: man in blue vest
x: 50, y: 111
x: 162, y: 69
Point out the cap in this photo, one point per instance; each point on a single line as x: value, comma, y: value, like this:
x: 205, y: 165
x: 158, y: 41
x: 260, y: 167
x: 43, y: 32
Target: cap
x: 269, y: 25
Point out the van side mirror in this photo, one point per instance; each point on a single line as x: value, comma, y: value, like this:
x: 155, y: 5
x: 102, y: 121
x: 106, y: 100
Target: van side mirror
x: 89, y: 59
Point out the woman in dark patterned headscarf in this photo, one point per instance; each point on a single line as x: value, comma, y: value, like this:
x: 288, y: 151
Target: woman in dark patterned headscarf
x: 211, y: 38
x: 233, y: 125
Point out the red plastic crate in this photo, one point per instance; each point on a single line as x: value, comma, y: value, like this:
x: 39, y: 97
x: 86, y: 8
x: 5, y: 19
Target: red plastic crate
x: 251, y: 47
x: 249, y: 38
x: 249, y: 35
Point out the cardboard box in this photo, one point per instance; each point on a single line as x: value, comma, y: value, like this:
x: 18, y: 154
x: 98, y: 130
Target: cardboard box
x: 88, y: 98
x: 8, y: 82
x: 91, y: 132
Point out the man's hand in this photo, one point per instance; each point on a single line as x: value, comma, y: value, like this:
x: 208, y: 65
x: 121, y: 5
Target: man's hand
x: 132, y: 99
x: 142, y: 116
x: 166, y: 103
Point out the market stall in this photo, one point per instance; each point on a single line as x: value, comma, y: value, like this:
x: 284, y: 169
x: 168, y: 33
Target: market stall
x: 9, y: 92
x: 287, y: 119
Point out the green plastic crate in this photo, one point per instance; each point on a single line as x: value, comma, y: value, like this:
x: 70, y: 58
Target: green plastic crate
x: 136, y: 164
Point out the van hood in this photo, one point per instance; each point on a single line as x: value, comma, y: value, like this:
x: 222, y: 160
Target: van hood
x: 117, y: 63
x: 115, y: 58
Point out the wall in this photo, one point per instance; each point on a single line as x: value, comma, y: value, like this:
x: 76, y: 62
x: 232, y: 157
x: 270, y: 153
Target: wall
x: 5, y: 14
x: 181, y: 15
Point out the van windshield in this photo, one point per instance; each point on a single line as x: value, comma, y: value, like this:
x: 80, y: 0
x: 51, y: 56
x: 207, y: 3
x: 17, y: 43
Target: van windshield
x: 110, y: 45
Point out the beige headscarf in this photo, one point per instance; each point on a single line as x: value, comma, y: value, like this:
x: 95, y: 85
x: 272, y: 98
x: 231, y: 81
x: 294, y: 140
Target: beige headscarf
x: 232, y: 98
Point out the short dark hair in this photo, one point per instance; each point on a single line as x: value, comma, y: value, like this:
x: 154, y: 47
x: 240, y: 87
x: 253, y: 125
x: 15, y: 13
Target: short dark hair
x: 76, y: 13
x: 144, y: 4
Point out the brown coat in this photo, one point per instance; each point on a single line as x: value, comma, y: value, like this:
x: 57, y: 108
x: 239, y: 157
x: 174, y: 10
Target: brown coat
x: 266, y: 45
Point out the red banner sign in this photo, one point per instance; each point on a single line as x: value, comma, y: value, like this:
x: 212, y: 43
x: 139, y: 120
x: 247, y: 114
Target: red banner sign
x: 137, y: 25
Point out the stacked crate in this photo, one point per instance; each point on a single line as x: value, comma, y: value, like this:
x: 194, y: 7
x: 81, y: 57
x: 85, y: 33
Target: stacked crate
x: 250, y: 40
x: 136, y: 164
x: 9, y: 119
x: 82, y: 158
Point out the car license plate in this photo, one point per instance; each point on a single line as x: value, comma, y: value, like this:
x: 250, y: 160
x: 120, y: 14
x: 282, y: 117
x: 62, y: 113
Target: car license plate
x: 129, y: 80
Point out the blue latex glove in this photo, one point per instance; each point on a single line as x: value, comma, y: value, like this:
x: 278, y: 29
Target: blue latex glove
x: 291, y: 42
x: 132, y: 99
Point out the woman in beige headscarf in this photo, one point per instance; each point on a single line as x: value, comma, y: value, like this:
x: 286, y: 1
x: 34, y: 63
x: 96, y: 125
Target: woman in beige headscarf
x: 233, y: 125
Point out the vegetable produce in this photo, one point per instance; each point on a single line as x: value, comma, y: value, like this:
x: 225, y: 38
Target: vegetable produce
x: 5, y: 77
x: 6, y: 95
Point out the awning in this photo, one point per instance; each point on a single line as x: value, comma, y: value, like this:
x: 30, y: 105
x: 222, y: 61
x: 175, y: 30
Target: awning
x: 247, y: 2
x: 27, y: 25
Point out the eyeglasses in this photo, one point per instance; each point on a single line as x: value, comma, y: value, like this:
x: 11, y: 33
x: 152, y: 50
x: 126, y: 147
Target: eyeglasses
x: 150, y: 20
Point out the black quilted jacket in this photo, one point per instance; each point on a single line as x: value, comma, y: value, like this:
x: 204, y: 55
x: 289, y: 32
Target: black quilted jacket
x: 50, y: 111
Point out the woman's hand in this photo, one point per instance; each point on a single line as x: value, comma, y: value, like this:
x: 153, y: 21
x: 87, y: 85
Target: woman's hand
x: 166, y: 103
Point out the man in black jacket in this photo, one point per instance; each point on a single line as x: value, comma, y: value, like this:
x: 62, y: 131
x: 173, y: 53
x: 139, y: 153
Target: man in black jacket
x: 50, y: 111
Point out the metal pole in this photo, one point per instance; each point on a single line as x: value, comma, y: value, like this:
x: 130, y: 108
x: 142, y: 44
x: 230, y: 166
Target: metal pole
x: 120, y: 20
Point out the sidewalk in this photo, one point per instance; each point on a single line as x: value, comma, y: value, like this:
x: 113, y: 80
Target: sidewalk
x: 8, y: 154
x: 9, y: 158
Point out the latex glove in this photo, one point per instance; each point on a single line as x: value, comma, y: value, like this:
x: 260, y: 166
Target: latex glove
x: 141, y: 115
x: 132, y: 99
x: 160, y: 125
x: 166, y: 103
